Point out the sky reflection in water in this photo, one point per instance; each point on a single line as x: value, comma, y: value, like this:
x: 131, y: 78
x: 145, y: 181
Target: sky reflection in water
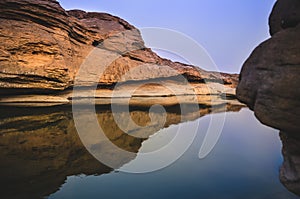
x: 244, y: 164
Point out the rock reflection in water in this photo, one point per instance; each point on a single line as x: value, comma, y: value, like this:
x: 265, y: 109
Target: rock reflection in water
x: 39, y: 147
x: 38, y: 150
x: 290, y: 169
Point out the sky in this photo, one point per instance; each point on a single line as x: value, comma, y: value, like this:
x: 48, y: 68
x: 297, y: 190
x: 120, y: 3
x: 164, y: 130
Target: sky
x: 228, y: 30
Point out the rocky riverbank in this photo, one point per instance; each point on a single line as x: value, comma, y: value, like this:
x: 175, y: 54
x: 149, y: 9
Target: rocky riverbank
x: 43, y: 47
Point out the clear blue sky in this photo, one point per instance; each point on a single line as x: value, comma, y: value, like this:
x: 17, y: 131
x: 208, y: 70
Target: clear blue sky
x: 228, y: 29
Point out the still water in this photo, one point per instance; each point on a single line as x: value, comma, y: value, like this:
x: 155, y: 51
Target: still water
x: 43, y: 157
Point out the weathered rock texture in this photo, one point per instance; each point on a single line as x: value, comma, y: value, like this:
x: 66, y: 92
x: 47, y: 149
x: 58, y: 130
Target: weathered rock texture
x: 285, y: 14
x: 40, y: 45
x: 269, y: 80
x: 269, y: 85
x: 43, y: 46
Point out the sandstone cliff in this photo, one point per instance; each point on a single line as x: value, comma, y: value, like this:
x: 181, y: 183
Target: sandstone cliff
x: 43, y: 46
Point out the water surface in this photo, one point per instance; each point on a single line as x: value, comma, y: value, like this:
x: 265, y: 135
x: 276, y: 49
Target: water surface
x: 42, y: 156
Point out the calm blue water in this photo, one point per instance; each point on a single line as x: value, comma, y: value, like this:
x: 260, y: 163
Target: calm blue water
x: 244, y: 164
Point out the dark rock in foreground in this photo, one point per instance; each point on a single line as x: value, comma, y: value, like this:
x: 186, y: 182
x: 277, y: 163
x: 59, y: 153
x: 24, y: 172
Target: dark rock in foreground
x: 269, y: 80
x: 269, y: 85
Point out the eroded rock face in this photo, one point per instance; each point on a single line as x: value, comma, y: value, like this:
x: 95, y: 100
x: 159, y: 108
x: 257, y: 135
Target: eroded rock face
x: 269, y: 80
x: 285, y: 14
x: 43, y: 46
x: 40, y: 45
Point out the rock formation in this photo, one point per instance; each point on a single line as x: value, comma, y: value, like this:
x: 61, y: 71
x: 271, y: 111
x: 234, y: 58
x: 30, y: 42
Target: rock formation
x: 269, y: 84
x: 269, y: 80
x: 43, y: 46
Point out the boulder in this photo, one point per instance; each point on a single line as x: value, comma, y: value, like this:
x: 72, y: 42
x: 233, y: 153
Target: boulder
x: 269, y: 80
x: 269, y: 85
